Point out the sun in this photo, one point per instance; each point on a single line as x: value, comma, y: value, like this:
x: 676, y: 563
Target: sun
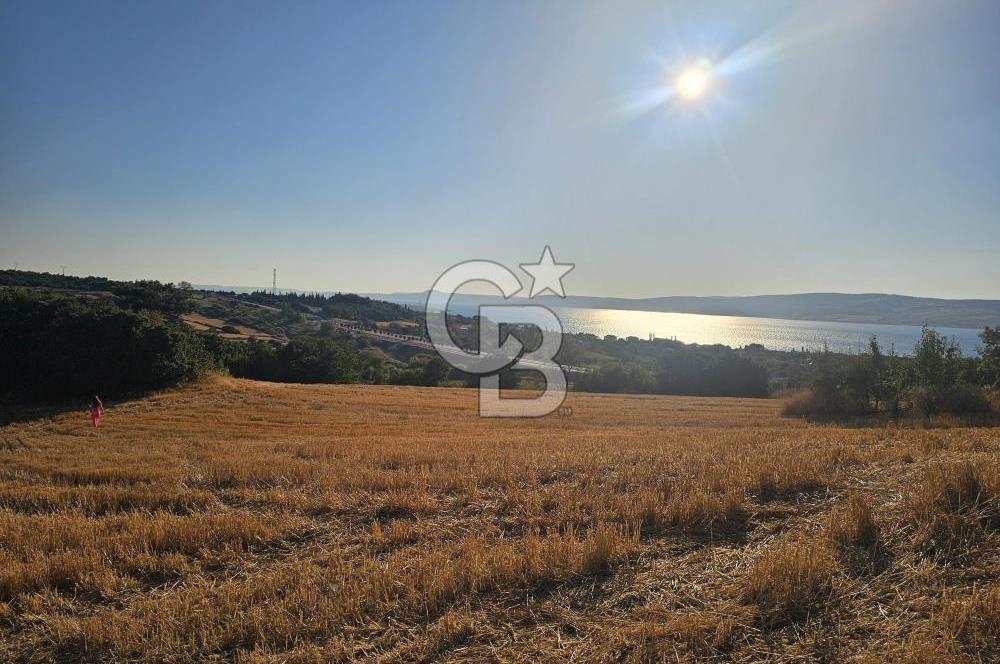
x: 694, y: 80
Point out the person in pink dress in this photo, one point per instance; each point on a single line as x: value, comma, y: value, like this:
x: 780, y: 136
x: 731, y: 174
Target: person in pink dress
x: 96, y: 410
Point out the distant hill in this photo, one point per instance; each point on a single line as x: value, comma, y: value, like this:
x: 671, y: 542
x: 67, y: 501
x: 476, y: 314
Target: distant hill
x: 872, y: 308
x: 877, y: 308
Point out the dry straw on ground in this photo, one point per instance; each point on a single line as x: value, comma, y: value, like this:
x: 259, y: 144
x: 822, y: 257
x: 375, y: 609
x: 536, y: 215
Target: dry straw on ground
x: 255, y: 522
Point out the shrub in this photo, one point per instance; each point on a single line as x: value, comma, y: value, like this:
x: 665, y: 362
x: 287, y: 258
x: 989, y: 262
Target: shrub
x: 957, y: 399
x: 813, y: 403
x: 937, y: 379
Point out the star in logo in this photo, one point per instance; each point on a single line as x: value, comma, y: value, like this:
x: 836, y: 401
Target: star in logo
x: 546, y: 274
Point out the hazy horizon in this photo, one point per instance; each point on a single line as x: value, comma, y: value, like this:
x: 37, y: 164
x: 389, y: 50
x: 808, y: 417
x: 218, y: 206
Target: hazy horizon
x: 485, y: 290
x: 842, y: 147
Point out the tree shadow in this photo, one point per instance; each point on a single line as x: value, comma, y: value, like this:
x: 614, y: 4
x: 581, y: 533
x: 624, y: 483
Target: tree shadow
x: 12, y: 412
x: 882, y: 420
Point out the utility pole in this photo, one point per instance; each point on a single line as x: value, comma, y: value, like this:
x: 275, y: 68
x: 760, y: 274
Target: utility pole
x: 274, y: 281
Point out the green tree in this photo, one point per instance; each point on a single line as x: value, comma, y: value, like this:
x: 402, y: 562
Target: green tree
x: 153, y: 296
x: 59, y: 346
x: 990, y: 354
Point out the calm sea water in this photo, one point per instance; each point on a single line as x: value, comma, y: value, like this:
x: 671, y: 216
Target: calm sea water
x: 736, y: 331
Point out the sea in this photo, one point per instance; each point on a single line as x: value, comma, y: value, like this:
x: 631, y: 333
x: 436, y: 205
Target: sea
x: 739, y: 331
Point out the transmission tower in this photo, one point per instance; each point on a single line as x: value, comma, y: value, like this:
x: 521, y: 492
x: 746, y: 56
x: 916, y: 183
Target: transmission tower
x: 274, y: 281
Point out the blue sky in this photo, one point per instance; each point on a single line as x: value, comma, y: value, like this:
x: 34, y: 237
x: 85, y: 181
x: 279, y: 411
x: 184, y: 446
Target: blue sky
x: 848, y: 146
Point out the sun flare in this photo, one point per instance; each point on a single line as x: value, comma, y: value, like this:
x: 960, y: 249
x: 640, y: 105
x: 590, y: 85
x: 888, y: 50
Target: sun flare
x: 694, y: 80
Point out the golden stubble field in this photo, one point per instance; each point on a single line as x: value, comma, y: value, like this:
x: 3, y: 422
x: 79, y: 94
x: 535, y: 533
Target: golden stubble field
x: 256, y: 522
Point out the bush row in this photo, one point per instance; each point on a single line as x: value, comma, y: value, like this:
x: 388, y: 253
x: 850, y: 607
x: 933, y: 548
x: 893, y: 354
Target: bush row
x: 935, y: 380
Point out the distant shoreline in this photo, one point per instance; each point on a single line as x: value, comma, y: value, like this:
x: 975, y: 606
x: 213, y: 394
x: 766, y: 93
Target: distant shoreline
x: 873, y: 309
x: 865, y: 308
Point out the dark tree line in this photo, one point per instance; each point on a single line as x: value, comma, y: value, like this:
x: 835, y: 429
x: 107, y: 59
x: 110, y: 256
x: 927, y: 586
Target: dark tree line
x: 28, y: 279
x: 630, y: 365
x: 936, y: 379
x: 305, y: 359
x: 684, y: 372
x: 55, y: 346
x: 135, y: 295
x: 151, y: 296
x: 337, y: 305
x: 990, y: 354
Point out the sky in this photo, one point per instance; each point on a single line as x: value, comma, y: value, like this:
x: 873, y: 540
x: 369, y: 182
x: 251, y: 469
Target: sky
x: 849, y: 146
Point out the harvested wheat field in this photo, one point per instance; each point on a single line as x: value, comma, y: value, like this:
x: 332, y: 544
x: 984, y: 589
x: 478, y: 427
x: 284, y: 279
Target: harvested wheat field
x: 255, y: 522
